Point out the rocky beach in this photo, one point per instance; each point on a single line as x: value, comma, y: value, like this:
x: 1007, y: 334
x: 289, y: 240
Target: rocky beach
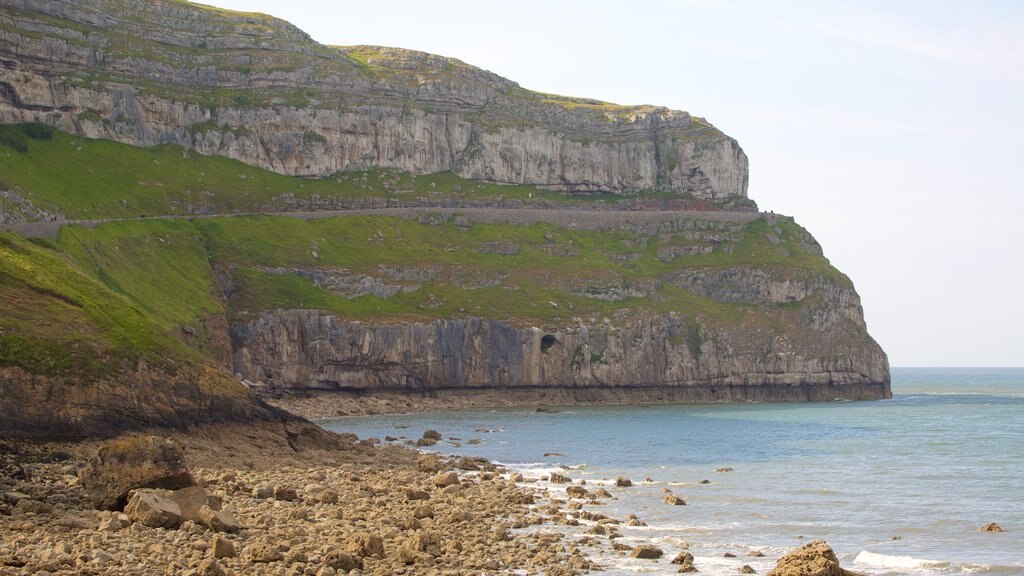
x: 221, y: 500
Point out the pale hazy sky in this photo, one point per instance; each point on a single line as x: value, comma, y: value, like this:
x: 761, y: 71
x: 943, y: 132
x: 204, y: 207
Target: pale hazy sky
x: 893, y: 131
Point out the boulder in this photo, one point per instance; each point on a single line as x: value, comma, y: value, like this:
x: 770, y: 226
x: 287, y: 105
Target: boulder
x: 576, y: 492
x: 623, y: 482
x: 445, y: 479
x: 428, y: 463
x: 342, y: 561
x: 131, y: 463
x: 674, y: 500
x: 218, y: 520
x: 557, y: 478
x: 746, y: 569
x: 262, y: 491
x: 285, y: 494
x: 221, y: 547
x: 990, y: 527
x: 683, y: 558
x: 432, y: 435
x: 30, y: 506
x: 812, y: 559
x: 153, y: 510
x: 262, y: 552
x: 366, y: 545
x: 190, y: 500
x: 646, y: 552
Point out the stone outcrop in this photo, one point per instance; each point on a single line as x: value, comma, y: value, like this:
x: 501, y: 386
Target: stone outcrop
x: 261, y: 91
x: 310, y: 349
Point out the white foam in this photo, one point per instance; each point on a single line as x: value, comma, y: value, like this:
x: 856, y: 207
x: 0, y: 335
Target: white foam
x: 876, y: 560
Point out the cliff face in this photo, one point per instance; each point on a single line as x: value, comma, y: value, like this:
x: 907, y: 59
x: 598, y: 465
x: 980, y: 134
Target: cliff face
x: 309, y: 349
x: 259, y: 90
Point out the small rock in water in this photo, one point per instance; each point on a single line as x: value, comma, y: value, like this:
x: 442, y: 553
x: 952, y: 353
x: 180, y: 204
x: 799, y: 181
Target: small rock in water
x: 992, y: 527
x: 431, y: 435
x: 725, y: 469
x: 683, y: 558
x: 550, y: 454
x: 705, y: 481
x: 755, y: 554
x: 646, y: 552
x: 728, y: 555
x: 746, y: 569
x: 623, y: 482
x: 674, y: 500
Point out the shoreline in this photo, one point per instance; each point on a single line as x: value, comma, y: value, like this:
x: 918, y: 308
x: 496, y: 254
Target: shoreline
x: 317, y: 404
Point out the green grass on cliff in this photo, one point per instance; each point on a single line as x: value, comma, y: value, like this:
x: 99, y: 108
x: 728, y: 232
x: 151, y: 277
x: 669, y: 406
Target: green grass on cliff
x: 58, y: 319
x: 84, y: 178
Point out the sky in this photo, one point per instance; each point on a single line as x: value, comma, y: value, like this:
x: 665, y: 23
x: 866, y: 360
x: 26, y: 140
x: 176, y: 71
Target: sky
x: 892, y: 130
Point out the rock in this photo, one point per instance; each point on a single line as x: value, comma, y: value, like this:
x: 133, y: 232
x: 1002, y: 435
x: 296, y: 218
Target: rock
x: 755, y: 554
x: 746, y: 569
x: 705, y: 481
x: 262, y: 552
x: 30, y: 506
x: 646, y: 552
x: 423, y: 442
x: 812, y: 559
x: 412, y: 494
x: 190, y: 500
x: 327, y: 496
x: 218, y: 520
x: 262, y: 491
x: 445, y: 479
x: 992, y: 527
x: 602, y: 493
x: 210, y: 567
x: 517, y: 477
x: 130, y: 463
x: 576, y: 492
x: 432, y: 435
x: 685, y: 568
x: 728, y: 555
x: 623, y: 482
x: 557, y: 478
x: 427, y: 542
x: 428, y: 463
x: 674, y: 500
x: 724, y: 469
x: 221, y: 547
x: 365, y: 546
x: 683, y: 558
x: 285, y: 494
x: 342, y: 561
x: 153, y: 510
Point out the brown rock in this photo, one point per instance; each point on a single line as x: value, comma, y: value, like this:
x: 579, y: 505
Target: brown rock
x: 683, y: 558
x: 342, y: 561
x: 992, y: 527
x: 557, y: 478
x: 646, y: 552
x: 218, y: 520
x: 210, y: 567
x: 428, y: 463
x: 221, y: 547
x: 423, y: 541
x: 30, y: 506
x: 576, y: 492
x: 687, y: 568
x: 432, y: 435
x: 285, y: 494
x: 812, y: 559
x: 674, y: 500
x: 190, y: 500
x: 623, y: 482
x: 153, y: 510
x: 366, y: 545
x: 130, y: 463
x: 262, y: 553
x: 445, y: 479
x: 746, y: 569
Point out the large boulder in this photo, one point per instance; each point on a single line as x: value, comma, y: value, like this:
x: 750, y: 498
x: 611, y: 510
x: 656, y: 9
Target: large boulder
x: 131, y: 463
x: 153, y: 510
x: 812, y: 559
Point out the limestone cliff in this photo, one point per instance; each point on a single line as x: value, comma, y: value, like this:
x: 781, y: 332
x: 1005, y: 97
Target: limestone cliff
x: 259, y: 90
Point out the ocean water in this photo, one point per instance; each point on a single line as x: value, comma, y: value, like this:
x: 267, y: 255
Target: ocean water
x: 896, y: 487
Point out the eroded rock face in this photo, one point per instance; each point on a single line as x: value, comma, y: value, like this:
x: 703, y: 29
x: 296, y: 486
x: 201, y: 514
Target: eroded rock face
x: 308, y: 349
x: 259, y: 90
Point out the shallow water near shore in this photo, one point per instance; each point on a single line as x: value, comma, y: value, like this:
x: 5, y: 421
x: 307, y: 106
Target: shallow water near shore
x: 895, y: 487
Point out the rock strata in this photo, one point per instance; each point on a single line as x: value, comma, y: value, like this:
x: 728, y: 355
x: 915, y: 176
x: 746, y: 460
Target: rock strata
x: 259, y: 90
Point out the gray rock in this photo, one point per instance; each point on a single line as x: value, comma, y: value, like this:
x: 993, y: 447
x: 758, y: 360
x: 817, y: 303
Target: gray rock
x: 153, y: 510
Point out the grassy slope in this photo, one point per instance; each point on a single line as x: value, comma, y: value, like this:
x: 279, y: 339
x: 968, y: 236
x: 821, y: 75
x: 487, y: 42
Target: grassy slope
x: 92, y: 179
x: 58, y: 319
x: 129, y: 288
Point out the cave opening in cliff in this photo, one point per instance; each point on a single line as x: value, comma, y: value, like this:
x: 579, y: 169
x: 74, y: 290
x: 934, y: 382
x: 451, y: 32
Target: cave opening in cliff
x: 547, y: 342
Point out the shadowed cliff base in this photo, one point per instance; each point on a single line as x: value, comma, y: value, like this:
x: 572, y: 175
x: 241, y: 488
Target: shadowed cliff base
x: 319, y: 404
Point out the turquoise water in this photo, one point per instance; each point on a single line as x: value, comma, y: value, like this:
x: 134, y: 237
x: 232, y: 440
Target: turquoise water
x: 895, y: 487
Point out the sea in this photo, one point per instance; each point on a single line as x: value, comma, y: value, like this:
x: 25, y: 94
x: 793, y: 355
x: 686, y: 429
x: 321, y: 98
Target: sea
x: 896, y: 487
